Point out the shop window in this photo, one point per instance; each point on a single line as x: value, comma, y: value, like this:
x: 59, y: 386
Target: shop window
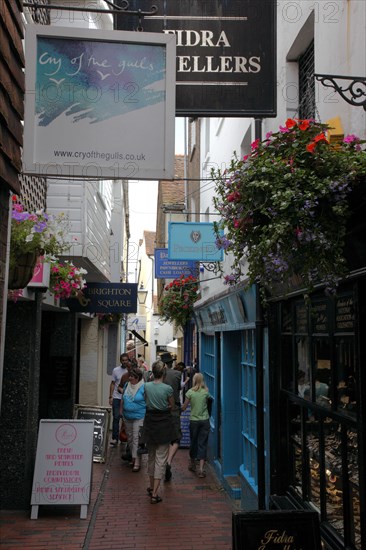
x: 322, y: 373
x: 345, y: 376
x: 249, y: 409
x: 318, y: 351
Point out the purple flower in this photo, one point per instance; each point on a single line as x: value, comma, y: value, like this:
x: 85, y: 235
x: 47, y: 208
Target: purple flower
x: 20, y: 216
x: 223, y: 243
x: 39, y: 227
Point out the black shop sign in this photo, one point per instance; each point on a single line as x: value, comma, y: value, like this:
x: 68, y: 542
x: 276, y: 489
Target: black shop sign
x: 105, y: 298
x: 276, y: 530
x: 226, y: 53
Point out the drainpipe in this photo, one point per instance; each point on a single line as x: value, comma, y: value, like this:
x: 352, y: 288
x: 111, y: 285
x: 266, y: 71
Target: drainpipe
x: 259, y: 340
x: 5, y: 300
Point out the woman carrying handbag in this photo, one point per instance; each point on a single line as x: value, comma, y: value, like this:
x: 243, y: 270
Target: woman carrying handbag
x: 133, y: 412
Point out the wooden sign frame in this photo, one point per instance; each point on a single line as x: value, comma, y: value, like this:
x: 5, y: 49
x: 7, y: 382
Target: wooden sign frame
x: 266, y: 530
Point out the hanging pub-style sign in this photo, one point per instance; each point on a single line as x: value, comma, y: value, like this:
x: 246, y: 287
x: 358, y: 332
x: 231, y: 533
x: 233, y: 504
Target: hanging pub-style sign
x: 193, y: 241
x: 99, y: 104
x: 226, y: 53
x: 105, y: 298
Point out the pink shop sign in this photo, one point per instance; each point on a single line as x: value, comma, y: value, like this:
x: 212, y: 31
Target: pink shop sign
x: 41, y: 274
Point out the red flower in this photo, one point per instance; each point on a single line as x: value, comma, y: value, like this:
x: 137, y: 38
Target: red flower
x: 320, y: 137
x: 290, y: 123
x: 304, y: 125
x: 255, y: 144
x: 311, y: 146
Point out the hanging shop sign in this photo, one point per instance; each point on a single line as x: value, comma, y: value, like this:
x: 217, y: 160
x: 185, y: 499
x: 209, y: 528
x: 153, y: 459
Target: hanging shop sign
x: 105, y: 298
x: 172, y: 269
x: 193, y: 241
x: 136, y: 322
x: 226, y: 54
x: 99, y: 104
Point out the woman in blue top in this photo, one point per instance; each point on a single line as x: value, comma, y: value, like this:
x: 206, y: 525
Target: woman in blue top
x: 199, y: 425
x: 133, y: 412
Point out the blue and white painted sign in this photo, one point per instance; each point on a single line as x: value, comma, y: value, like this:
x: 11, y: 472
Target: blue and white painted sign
x: 193, y: 241
x: 172, y: 269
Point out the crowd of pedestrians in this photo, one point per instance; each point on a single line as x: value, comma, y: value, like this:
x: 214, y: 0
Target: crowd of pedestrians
x: 149, y: 403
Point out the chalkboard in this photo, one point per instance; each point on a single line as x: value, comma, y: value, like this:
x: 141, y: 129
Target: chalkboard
x: 101, y: 417
x: 276, y: 530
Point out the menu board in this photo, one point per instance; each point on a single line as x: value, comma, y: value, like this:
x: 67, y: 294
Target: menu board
x: 101, y: 417
x: 63, y: 468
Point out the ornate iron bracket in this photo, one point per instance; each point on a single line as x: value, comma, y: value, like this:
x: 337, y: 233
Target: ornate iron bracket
x: 114, y: 9
x: 214, y: 267
x: 354, y: 93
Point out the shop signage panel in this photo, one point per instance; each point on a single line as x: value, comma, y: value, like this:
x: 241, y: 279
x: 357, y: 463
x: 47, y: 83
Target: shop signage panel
x: 193, y: 241
x: 99, y: 104
x: 101, y: 417
x: 62, y: 472
x: 105, y: 298
x: 262, y: 530
x: 172, y: 269
x: 345, y: 313
x: 226, y: 53
x: 136, y: 322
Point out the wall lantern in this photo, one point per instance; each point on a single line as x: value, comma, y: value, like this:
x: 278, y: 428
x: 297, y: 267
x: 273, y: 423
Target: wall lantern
x: 142, y: 294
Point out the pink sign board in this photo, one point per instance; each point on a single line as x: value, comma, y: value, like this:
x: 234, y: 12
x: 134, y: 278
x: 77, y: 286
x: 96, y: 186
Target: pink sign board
x: 62, y: 473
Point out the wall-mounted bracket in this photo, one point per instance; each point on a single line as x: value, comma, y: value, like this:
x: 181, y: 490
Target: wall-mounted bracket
x: 351, y: 88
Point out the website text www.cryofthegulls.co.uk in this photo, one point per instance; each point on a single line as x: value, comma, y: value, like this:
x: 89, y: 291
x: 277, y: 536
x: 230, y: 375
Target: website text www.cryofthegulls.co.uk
x: 83, y: 155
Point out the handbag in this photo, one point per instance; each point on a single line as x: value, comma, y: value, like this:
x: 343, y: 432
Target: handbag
x: 122, y: 433
x: 142, y: 448
x: 209, y: 404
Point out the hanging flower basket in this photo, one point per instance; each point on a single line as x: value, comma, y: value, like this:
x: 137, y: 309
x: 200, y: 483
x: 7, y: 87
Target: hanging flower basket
x: 33, y: 234
x: 21, y: 270
x: 176, y: 304
x: 285, y: 208
x: 106, y: 319
x: 66, y: 280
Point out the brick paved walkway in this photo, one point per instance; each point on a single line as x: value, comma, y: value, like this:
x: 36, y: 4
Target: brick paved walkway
x: 195, y: 514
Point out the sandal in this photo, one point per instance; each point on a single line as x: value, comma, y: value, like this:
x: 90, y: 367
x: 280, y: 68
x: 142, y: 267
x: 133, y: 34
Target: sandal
x: 149, y: 491
x: 201, y: 474
x: 156, y: 500
x: 136, y: 469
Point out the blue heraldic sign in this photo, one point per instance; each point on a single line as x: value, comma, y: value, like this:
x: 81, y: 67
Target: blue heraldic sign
x: 193, y: 241
x: 105, y: 298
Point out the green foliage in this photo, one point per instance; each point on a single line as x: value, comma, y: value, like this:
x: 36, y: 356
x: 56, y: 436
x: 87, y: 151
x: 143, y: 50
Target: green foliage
x: 285, y: 207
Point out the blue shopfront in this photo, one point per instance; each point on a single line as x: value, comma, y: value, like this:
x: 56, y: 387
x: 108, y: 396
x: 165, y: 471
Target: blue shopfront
x: 227, y: 328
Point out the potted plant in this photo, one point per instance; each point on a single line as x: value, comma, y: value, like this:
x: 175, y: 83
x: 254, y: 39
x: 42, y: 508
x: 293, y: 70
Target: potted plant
x: 177, y: 301
x: 66, y: 280
x: 33, y: 234
x: 285, y: 208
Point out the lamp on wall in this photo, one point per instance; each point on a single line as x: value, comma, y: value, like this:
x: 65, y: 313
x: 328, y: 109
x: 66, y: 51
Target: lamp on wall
x: 142, y: 294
